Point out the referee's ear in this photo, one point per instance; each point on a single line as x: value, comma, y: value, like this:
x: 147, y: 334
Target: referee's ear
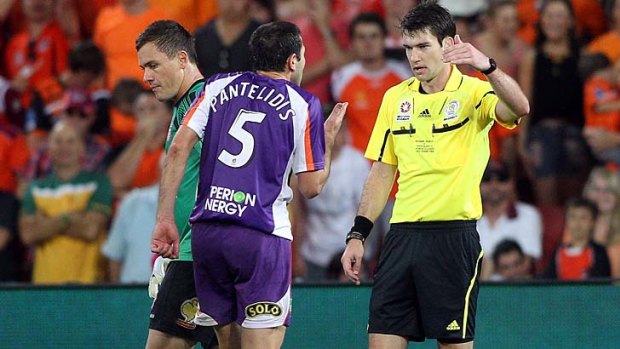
x: 447, y: 41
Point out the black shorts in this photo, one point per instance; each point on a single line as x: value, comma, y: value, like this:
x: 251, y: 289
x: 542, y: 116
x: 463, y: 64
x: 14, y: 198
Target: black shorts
x: 175, y: 306
x: 426, y: 284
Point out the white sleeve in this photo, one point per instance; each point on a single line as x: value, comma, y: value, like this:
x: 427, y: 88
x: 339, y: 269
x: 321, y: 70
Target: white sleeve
x: 114, y: 246
x: 197, y: 116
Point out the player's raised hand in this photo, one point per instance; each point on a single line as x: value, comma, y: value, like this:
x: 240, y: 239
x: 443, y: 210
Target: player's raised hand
x: 165, y: 239
x: 334, y: 121
x: 352, y: 260
x: 461, y: 52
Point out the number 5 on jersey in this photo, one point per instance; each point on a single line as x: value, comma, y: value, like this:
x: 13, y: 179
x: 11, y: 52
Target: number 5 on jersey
x: 244, y: 137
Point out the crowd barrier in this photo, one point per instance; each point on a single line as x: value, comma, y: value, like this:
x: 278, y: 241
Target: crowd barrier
x: 324, y: 317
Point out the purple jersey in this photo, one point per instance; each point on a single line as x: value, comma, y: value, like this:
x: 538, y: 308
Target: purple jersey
x: 255, y: 131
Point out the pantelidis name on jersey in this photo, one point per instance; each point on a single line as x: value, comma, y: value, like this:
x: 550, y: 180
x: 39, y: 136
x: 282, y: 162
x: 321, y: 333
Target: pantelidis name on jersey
x: 229, y: 201
x: 246, y: 89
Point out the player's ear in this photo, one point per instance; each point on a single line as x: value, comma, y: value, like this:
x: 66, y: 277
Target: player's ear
x: 291, y: 62
x: 183, y: 58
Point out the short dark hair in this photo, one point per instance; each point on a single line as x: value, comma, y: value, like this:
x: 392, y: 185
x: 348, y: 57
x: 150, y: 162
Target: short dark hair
x: 367, y: 18
x: 430, y: 16
x: 126, y: 90
x: 580, y: 202
x: 504, y: 247
x: 169, y: 37
x: 85, y: 56
x: 271, y: 44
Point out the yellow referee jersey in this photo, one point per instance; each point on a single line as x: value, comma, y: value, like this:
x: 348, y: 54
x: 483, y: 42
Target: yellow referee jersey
x: 440, y: 144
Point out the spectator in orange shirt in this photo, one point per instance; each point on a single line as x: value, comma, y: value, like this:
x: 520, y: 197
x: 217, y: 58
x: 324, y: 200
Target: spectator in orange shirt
x: 602, y: 113
x: 581, y: 258
x: 363, y: 82
x: 137, y: 166
x: 115, y: 31
x: 609, y: 43
x: 38, y: 52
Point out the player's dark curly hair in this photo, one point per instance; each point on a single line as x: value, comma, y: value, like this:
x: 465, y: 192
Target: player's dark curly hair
x: 430, y: 16
x: 169, y: 37
x: 271, y: 44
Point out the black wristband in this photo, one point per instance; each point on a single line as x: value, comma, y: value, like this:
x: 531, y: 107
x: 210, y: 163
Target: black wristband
x: 362, y: 225
x: 491, y: 68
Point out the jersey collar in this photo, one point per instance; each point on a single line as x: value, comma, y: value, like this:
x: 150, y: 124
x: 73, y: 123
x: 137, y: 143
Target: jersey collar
x: 454, y: 81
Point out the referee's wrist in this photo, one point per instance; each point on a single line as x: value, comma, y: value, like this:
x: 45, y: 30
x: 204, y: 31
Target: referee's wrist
x: 354, y: 235
x: 360, y: 230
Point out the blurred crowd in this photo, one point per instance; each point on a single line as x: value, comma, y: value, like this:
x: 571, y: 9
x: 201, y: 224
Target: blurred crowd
x: 81, y: 139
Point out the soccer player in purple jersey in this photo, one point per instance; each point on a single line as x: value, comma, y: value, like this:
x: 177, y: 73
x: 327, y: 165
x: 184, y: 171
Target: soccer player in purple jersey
x: 257, y: 128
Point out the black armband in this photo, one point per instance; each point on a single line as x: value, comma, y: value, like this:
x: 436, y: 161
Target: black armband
x: 361, y: 229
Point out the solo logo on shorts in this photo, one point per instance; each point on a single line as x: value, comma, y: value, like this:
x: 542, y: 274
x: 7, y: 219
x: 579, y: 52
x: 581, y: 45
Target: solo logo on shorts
x: 263, y: 308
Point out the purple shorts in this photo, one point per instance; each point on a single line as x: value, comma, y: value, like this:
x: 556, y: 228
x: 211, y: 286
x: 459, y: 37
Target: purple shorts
x: 242, y: 275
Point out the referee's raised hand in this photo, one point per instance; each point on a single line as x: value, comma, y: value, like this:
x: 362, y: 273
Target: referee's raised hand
x: 461, y: 52
x: 352, y: 260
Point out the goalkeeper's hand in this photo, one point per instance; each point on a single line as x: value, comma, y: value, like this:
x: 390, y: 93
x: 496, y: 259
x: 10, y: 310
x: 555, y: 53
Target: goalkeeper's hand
x: 165, y: 239
x: 157, y: 276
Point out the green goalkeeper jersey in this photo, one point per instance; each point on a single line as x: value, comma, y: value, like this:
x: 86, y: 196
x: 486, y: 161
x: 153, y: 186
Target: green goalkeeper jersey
x: 186, y: 197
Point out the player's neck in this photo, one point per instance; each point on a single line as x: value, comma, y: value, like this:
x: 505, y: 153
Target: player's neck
x: 192, y: 74
x: 275, y: 75
x: 438, y: 83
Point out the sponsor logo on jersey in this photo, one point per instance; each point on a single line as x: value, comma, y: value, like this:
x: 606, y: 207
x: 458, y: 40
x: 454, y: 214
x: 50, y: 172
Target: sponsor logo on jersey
x: 405, y: 107
x: 229, y: 201
x: 424, y: 114
x: 451, y: 111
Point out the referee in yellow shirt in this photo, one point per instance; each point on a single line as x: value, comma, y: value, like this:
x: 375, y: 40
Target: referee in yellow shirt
x: 432, y: 128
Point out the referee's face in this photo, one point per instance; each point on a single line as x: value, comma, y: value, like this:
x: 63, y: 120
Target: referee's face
x: 424, y: 54
x: 163, y: 74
